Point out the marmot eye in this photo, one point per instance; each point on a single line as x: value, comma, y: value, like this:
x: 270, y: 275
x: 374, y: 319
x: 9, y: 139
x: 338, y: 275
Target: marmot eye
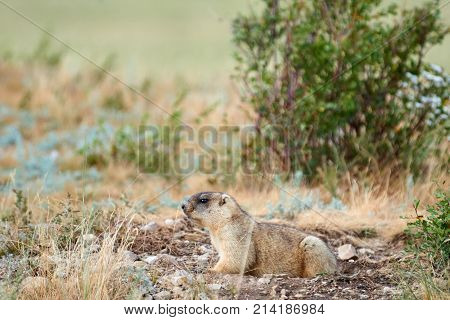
x: 203, y: 200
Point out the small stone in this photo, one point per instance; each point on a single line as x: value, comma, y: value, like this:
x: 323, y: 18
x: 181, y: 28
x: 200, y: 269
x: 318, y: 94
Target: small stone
x: 163, y: 295
x: 264, y: 281
x: 30, y: 285
x: 181, y: 277
x: 203, y: 259
x: 167, y: 259
x: 150, y: 259
x: 150, y: 227
x: 214, y: 286
x: 169, y: 222
x: 269, y: 276
x: 273, y: 291
x: 140, y: 265
x: 347, y: 252
x: 365, y: 251
x: 89, y: 238
x: 204, y: 249
x: 130, y: 256
x: 203, y: 296
x: 387, y: 290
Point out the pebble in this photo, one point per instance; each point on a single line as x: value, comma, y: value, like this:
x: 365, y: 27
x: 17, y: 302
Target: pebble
x: 273, y: 291
x: 151, y: 226
x: 169, y: 222
x: 180, y: 277
x: 283, y: 294
x: 140, y: 265
x: 203, y: 259
x: 162, y: 295
x: 264, y: 281
x: 150, y: 259
x: 214, y: 286
x: 347, y: 252
x: 366, y: 251
x: 130, y: 256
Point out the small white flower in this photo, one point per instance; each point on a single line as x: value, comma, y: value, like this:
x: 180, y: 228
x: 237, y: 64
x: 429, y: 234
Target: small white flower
x: 413, y: 78
x: 433, y: 100
x: 436, y: 68
x: 437, y: 80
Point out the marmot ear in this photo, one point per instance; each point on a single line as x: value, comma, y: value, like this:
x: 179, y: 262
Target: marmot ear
x: 224, y: 199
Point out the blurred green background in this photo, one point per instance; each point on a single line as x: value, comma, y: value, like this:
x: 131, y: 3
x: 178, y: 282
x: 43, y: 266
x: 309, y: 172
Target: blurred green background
x: 151, y: 37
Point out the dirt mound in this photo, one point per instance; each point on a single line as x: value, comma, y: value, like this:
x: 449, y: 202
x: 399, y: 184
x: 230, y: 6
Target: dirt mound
x: 181, y: 254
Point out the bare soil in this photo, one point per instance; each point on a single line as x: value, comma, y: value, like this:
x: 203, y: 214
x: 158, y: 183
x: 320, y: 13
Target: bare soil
x: 182, y: 247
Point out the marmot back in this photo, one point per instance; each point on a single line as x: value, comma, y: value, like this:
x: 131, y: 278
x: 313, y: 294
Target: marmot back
x: 256, y: 248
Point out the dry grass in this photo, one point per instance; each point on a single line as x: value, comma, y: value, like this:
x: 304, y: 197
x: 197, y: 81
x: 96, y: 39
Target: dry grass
x: 81, y: 274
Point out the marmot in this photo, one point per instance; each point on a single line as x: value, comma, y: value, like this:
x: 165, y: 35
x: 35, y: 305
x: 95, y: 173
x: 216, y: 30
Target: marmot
x: 246, y: 246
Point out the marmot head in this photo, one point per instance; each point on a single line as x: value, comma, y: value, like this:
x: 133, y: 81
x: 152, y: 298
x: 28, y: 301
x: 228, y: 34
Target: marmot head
x: 210, y: 209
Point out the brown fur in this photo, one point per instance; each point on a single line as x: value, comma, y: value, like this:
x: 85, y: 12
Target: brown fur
x: 256, y: 248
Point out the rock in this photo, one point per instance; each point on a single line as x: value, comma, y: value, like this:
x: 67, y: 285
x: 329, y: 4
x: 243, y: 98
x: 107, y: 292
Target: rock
x: 204, y: 249
x: 31, y: 285
x: 140, y: 265
x: 161, y: 258
x: 177, y: 224
x: 169, y: 222
x: 347, y: 252
x: 150, y: 227
x: 283, y: 294
x: 273, y: 291
x: 167, y: 259
x: 214, y: 286
x: 203, y: 259
x: 180, y: 278
x: 130, y: 256
x: 163, y: 295
x: 203, y: 296
x: 264, y: 281
x: 150, y: 259
x: 387, y: 290
x: 89, y: 238
x: 365, y: 251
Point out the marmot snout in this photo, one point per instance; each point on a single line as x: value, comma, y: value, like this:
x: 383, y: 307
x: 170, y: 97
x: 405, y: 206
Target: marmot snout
x: 256, y: 248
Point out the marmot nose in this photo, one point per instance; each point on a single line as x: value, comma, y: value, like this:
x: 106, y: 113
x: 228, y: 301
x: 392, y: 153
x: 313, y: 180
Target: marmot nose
x: 184, y: 205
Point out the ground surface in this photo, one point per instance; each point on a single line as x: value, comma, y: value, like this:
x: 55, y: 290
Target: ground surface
x: 181, y: 254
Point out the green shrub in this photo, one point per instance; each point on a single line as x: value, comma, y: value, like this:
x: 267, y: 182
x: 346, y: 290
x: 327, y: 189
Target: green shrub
x: 429, y: 237
x: 425, y: 272
x: 339, y: 84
